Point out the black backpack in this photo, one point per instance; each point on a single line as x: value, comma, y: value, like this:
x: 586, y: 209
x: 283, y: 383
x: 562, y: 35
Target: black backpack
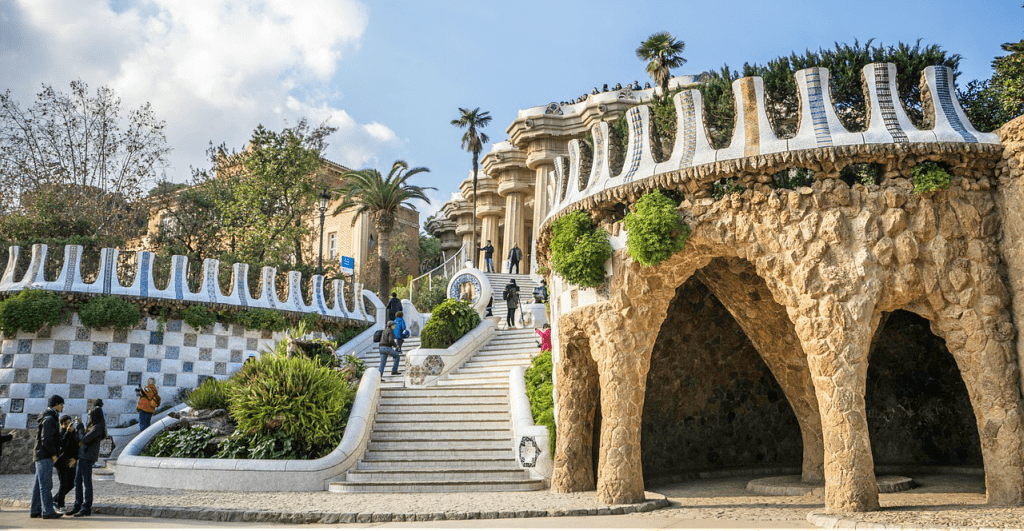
x: 377, y: 335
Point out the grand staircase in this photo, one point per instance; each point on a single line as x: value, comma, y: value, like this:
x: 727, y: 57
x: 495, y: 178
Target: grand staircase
x: 453, y: 437
x: 498, y: 282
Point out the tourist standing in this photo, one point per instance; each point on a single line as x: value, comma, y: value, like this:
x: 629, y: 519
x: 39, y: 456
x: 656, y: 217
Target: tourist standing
x: 387, y: 349
x: 46, y: 450
x: 515, y: 255
x: 66, y: 460
x: 149, y: 400
x: 394, y: 306
x: 88, y: 454
x: 511, y: 297
x: 488, y: 256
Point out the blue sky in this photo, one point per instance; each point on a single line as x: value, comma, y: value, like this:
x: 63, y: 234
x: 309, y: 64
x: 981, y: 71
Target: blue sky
x: 392, y: 74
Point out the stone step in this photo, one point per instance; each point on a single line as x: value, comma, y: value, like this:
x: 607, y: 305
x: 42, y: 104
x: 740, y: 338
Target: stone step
x: 430, y: 392
x: 436, y: 486
x: 407, y: 445
x: 444, y: 383
x: 440, y: 425
x: 478, y: 368
x: 495, y: 463
x: 443, y: 408
x: 491, y: 377
x: 439, y: 454
x: 435, y: 474
x: 392, y: 400
x: 422, y: 417
x: 414, y: 433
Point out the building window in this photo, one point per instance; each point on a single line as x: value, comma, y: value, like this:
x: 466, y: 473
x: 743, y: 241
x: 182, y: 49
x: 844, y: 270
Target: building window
x: 332, y: 245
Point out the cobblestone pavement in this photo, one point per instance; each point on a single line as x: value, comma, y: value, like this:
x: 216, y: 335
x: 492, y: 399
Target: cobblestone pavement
x: 947, y: 500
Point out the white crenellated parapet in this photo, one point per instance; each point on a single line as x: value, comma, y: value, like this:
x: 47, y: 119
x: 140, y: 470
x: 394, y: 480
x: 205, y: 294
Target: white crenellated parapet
x: 753, y: 134
x: 107, y: 282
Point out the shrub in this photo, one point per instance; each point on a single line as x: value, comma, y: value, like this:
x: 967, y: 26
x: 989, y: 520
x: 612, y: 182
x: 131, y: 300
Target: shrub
x: 109, y: 311
x: 291, y: 398
x: 30, y: 310
x: 793, y: 178
x: 352, y: 368
x: 539, y: 388
x: 187, y: 442
x: 257, y: 446
x: 430, y: 294
x: 211, y: 394
x: 449, y: 321
x: 655, y: 229
x: 724, y: 187
x: 262, y: 319
x: 579, y: 250
x: 198, y: 317
x: 928, y: 176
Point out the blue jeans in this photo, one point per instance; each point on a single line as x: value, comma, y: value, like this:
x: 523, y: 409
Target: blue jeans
x: 145, y: 419
x: 490, y: 265
x: 385, y: 353
x: 42, y: 489
x: 83, y: 480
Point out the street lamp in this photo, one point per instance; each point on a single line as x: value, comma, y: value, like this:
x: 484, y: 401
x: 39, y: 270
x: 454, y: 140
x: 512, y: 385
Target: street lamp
x: 324, y: 198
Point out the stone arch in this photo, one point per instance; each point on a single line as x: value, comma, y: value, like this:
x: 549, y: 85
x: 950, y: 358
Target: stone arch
x: 577, y: 398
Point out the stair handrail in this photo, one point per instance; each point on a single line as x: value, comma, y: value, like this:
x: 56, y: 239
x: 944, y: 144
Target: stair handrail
x: 453, y: 263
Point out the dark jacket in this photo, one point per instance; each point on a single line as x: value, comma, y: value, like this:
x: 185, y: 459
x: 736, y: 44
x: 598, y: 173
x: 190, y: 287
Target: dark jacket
x: 511, y: 295
x: 68, y: 447
x: 394, y: 306
x: 5, y: 439
x: 515, y: 255
x: 488, y: 251
x: 387, y: 339
x: 47, y: 435
x: 92, y: 435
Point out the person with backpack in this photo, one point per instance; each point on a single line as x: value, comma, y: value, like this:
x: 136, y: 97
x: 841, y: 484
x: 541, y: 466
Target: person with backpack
x: 401, y: 332
x: 149, y: 400
x: 511, y: 297
x: 387, y: 349
x: 90, y: 438
x: 46, y: 451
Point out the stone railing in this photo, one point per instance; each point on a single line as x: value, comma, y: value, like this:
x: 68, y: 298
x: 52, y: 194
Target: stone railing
x: 819, y: 141
x: 107, y: 282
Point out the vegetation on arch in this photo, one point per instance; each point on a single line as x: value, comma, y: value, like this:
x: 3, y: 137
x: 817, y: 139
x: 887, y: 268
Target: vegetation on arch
x: 579, y: 249
x: 655, y: 230
x: 929, y: 177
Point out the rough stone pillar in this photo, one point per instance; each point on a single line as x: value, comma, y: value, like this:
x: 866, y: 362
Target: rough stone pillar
x: 836, y: 337
x: 515, y: 228
x: 576, y: 395
x: 736, y: 285
x: 1009, y: 199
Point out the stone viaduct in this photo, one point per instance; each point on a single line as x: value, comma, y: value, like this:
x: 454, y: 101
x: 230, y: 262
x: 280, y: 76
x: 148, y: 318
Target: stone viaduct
x: 808, y: 273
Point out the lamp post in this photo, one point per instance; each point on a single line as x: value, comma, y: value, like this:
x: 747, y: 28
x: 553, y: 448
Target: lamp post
x: 324, y: 198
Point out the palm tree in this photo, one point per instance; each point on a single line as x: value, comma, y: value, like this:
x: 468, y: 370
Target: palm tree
x: 381, y: 198
x: 664, y: 53
x: 473, y: 141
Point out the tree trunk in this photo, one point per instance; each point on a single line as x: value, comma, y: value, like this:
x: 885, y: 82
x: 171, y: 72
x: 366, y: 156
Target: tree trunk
x: 476, y: 245
x: 384, y: 257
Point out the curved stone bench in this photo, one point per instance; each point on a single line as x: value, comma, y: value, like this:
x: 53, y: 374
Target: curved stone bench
x: 530, y: 442
x: 254, y: 475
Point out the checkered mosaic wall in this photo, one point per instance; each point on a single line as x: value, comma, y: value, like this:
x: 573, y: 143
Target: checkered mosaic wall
x: 81, y: 364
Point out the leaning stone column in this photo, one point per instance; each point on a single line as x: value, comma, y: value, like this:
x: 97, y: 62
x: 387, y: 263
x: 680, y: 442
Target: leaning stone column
x: 836, y: 340
x: 576, y: 396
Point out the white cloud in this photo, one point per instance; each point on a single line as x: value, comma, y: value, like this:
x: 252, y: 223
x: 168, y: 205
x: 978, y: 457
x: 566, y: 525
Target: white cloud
x: 213, y: 69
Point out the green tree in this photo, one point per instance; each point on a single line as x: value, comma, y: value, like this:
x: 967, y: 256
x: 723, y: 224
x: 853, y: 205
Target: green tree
x: 1009, y: 78
x: 473, y: 141
x: 663, y: 52
x: 75, y: 166
x: 381, y: 198
x: 430, y: 252
x: 192, y: 225
x: 263, y: 195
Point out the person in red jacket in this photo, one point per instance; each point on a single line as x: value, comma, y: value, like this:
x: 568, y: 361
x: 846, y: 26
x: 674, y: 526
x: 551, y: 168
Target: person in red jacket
x: 149, y: 400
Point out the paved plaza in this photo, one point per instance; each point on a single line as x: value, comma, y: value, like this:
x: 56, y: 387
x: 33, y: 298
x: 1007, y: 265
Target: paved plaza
x: 940, y: 501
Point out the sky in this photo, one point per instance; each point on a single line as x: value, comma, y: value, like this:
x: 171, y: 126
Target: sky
x: 392, y: 74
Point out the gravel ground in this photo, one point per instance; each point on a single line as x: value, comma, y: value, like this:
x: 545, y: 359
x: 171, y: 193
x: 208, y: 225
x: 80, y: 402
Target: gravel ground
x: 946, y: 500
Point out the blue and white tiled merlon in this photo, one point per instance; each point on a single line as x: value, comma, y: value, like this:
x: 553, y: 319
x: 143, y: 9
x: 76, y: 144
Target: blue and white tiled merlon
x: 753, y: 134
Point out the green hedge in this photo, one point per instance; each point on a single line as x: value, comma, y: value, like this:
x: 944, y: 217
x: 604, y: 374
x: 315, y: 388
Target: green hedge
x: 655, y: 229
x: 449, y: 321
x: 579, y: 250
x: 539, y: 389
x: 30, y: 310
x: 109, y: 311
